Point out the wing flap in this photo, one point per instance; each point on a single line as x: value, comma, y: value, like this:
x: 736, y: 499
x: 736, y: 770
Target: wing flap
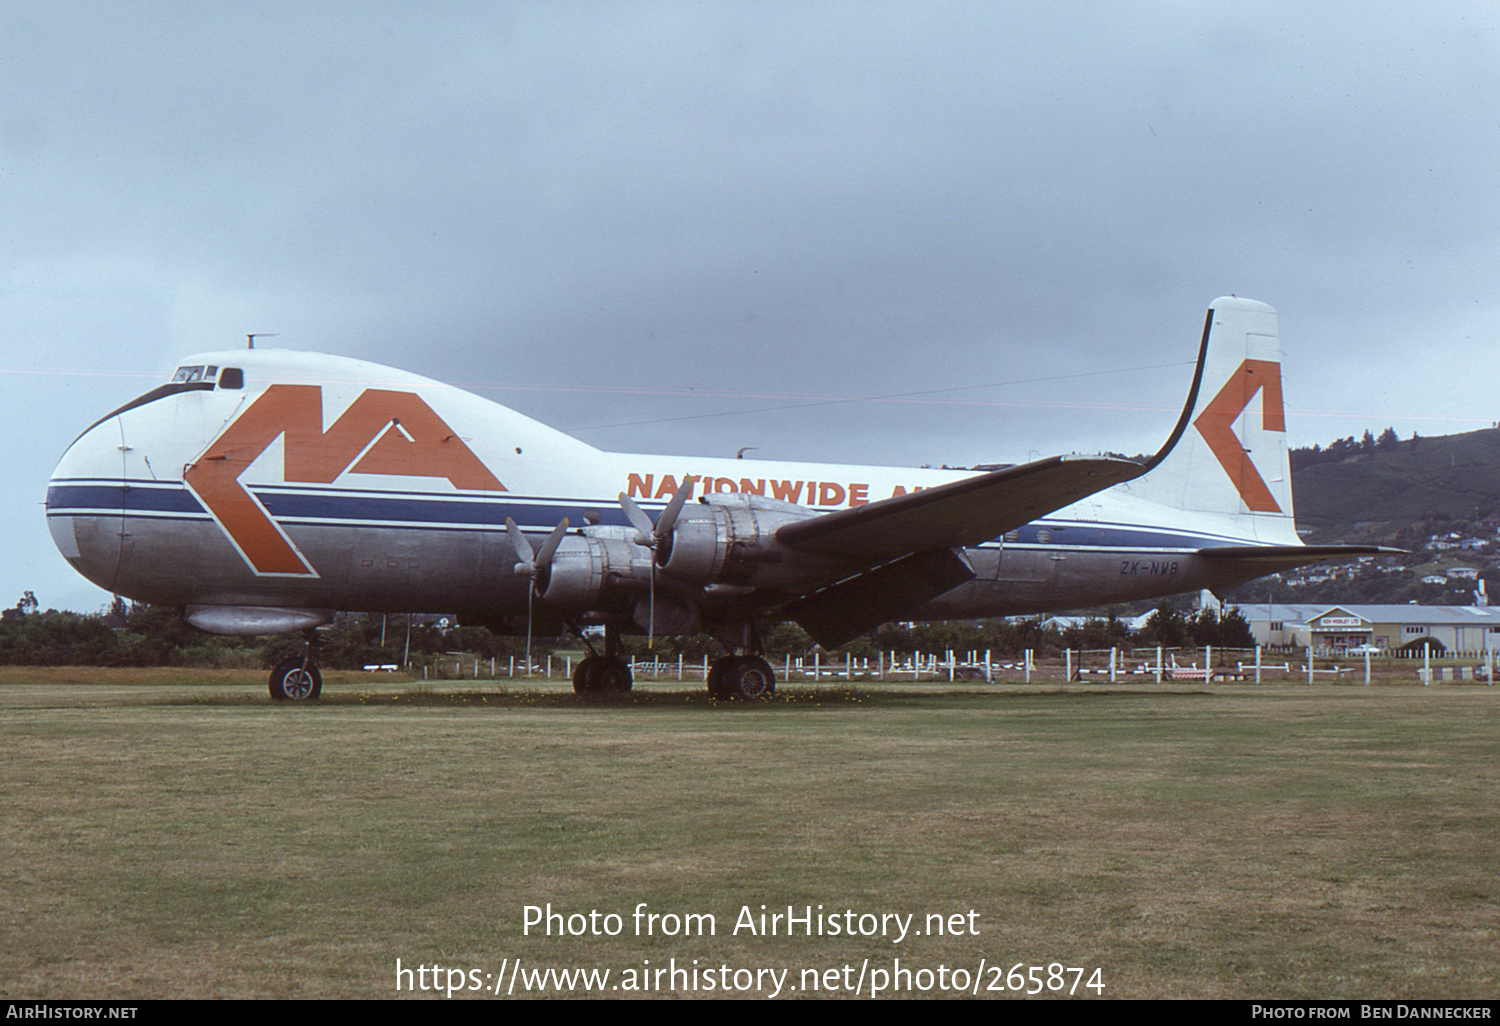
x: 961, y: 513
x: 843, y: 611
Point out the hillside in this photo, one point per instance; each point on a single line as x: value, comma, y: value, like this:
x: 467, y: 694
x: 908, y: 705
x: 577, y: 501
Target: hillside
x: 1404, y: 494
x: 1436, y: 498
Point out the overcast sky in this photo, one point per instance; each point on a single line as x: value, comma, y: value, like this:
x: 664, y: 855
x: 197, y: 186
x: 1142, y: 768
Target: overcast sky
x: 691, y: 227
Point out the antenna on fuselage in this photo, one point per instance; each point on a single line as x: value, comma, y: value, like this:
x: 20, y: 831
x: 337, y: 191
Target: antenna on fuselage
x: 250, y: 339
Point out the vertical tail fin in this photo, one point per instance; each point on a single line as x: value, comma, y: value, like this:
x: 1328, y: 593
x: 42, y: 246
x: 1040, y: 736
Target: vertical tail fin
x: 1229, y: 454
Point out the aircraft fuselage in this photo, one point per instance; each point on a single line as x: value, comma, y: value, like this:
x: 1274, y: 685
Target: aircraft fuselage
x: 263, y: 490
x: 403, y: 536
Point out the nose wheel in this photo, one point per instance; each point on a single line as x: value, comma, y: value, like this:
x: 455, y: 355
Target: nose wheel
x: 296, y: 679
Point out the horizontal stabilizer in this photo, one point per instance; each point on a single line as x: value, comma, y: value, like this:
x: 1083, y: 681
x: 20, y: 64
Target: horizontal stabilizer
x: 843, y: 611
x: 1241, y: 563
x: 1258, y: 560
x: 968, y: 512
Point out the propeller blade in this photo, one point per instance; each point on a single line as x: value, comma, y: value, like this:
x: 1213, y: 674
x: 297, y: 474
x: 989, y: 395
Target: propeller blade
x: 644, y: 529
x: 668, y: 516
x: 524, y: 551
x: 530, y: 596
x: 647, y: 533
x: 532, y: 564
x: 544, y: 558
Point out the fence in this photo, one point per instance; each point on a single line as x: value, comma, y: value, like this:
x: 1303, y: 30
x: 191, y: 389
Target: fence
x: 1109, y: 665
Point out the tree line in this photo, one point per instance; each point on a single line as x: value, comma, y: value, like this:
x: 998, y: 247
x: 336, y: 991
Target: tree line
x: 146, y: 636
x: 1344, y: 448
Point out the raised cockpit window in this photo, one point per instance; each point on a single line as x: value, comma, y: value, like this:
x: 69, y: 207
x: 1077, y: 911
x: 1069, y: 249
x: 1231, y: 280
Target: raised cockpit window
x: 186, y: 375
x: 232, y: 377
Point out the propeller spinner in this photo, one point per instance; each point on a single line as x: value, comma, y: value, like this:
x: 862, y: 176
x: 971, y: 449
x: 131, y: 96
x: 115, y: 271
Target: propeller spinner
x: 658, y: 536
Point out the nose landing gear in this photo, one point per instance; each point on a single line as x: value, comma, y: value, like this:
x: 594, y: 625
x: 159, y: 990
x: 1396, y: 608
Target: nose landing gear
x: 296, y: 678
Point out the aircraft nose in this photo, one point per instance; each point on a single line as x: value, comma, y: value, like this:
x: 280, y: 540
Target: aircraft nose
x: 86, y: 503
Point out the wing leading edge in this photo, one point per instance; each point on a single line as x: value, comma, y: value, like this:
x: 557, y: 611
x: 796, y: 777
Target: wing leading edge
x: 968, y: 512
x: 907, y: 550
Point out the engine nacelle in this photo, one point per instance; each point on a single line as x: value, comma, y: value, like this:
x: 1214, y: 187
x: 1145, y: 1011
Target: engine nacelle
x: 729, y: 540
x: 585, y: 569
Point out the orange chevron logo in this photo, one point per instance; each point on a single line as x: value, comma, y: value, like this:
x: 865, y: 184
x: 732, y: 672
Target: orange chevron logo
x: 381, y: 432
x: 1216, y: 425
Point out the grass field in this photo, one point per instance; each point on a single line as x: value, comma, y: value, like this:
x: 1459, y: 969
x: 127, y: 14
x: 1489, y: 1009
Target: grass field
x: 177, y: 835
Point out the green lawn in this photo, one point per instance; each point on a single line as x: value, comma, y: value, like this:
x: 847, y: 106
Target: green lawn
x: 165, y: 838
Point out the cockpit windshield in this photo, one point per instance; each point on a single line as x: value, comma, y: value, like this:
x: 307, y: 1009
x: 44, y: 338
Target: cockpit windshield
x: 190, y: 374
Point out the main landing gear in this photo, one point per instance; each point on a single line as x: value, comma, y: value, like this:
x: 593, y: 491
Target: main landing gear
x: 731, y: 678
x: 741, y: 678
x: 598, y: 675
x: 746, y: 678
x: 602, y: 675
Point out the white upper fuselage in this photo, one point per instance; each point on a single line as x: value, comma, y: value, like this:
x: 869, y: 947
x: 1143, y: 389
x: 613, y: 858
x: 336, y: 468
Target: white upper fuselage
x: 276, y: 478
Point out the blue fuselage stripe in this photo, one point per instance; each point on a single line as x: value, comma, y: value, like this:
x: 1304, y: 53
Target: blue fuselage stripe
x: 406, y: 509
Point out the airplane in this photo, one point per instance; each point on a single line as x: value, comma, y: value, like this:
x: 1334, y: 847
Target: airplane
x: 262, y: 490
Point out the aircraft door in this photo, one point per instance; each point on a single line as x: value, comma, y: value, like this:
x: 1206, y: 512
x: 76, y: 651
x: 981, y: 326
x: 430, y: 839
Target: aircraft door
x: 1024, y: 558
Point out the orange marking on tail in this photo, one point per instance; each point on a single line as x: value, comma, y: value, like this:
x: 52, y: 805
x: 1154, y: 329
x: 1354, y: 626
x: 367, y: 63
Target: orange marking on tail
x: 1216, y: 425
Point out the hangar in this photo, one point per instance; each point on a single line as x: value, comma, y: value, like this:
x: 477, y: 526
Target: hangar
x: 1342, y: 627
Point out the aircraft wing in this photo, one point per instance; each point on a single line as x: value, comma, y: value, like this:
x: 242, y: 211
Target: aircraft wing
x: 976, y: 509
x: 910, y: 546
x: 968, y: 512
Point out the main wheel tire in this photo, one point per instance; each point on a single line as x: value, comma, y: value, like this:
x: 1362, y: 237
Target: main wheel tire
x: 295, y: 680
x: 741, y: 679
x: 586, y: 675
x: 753, y: 680
x: 615, y: 677
x: 716, y: 675
x: 602, y: 675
